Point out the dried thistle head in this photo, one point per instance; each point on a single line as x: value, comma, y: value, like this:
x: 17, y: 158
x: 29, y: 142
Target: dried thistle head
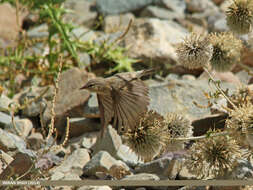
x: 226, y: 51
x: 194, y: 52
x: 147, y: 139
x: 178, y: 127
x: 213, y: 157
x: 240, y: 123
x: 241, y: 96
x: 239, y: 16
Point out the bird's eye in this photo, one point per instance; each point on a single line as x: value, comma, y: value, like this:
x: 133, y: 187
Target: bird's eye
x: 90, y: 85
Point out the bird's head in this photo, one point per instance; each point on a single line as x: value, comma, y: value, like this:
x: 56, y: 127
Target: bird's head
x: 95, y: 85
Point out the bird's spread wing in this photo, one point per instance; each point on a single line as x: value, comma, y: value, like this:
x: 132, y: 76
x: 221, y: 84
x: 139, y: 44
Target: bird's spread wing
x: 105, y: 105
x: 129, y: 103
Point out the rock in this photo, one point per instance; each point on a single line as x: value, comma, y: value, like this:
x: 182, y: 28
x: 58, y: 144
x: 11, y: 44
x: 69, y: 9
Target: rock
x: 145, y: 34
x: 9, y: 27
x: 142, y: 176
x: 244, y: 170
x: 35, y: 141
x: 107, y: 7
x: 161, y: 13
x: 83, y: 34
x: 115, y: 23
x: 125, y: 154
x: 70, y: 99
x: 220, y: 25
x: 89, y: 140
x: 184, y: 174
x: 41, y: 94
x: 40, y: 31
x: 82, y: 125
x: 177, y: 95
x: 202, y: 125
x: 101, y: 162
x: 5, y: 119
x: 223, y: 77
x: 243, y: 76
x: 73, y: 163
x: 195, y: 6
x: 23, y: 126
x: 47, y: 161
x: 164, y: 168
x: 11, y: 142
x: 21, y: 164
x: 5, y: 160
x: 5, y: 102
x: 82, y: 13
x: 84, y: 60
x: 177, y: 6
x: 90, y: 109
x: 68, y: 176
x: 88, y: 187
x: 110, y: 142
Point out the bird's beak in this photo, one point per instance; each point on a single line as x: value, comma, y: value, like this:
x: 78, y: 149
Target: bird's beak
x: 84, y: 87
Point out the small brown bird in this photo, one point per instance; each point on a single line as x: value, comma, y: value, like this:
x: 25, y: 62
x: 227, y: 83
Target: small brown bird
x: 122, y: 98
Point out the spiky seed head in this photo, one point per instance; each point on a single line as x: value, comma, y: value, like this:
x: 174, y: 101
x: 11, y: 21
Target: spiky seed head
x: 239, y: 16
x: 194, y: 52
x: 240, y: 124
x: 178, y: 127
x: 241, y: 96
x: 147, y: 139
x: 213, y: 157
x: 226, y: 51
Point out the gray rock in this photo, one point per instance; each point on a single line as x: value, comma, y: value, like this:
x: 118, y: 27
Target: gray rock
x: 11, y: 142
x: 220, y: 25
x: 73, y: 164
x: 34, y: 108
x: 5, y: 157
x: 5, y: 119
x: 164, y: 168
x: 113, y: 23
x: 106, y: 7
x: 128, y: 156
x: 84, y: 60
x: 200, y: 6
x: 177, y: 6
x: 110, y: 142
x: 83, y: 34
x: 23, y: 126
x: 82, y: 13
x: 142, y: 176
x: 4, y: 103
x: 145, y: 34
x: 243, y: 76
x: 244, y: 170
x: 161, y: 13
x: 90, y: 109
x: 102, y: 162
x: 40, y: 31
x: 88, y: 187
x: 89, y: 139
x: 61, y: 176
x: 178, y: 96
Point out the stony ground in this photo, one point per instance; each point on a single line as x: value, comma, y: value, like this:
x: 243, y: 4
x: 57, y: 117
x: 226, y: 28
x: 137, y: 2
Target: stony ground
x: 157, y: 27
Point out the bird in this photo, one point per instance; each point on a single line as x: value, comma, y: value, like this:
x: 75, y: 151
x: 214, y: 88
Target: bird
x: 122, y: 99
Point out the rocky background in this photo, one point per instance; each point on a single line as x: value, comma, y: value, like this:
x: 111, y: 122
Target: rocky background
x: 158, y: 25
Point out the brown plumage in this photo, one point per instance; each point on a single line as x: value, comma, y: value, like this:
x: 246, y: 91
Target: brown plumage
x: 122, y: 98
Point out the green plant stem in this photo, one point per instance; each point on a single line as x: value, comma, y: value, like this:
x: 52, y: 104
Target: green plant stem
x: 62, y: 31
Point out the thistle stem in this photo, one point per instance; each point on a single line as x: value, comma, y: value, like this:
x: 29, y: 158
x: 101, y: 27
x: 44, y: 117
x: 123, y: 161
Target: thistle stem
x: 200, y: 137
x: 219, y: 89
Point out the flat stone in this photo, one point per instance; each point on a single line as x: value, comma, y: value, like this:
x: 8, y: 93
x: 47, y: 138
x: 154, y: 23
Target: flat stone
x: 106, y: 7
x: 11, y: 142
x: 110, y: 142
x: 5, y: 119
x: 73, y: 163
x: 142, y: 176
x: 101, y: 162
x: 24, y: 127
